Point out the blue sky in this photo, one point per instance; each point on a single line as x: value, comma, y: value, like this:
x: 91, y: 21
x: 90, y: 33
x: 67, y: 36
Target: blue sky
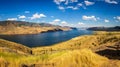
x: 78, y: 13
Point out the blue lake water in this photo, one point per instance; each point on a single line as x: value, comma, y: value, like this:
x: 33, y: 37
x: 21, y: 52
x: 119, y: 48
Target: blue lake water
x: 45, y: 39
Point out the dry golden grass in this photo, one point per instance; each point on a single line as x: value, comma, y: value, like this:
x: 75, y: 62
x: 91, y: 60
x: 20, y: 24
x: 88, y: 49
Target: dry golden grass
x: 77, y: 52
x: 3, y: 62
x: 75, y: 58
x: 86, y: 41
x: 13, y: 47
x: 79, y: 58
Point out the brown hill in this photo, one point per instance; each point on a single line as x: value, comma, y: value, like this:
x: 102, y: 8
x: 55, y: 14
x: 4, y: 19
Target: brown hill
x: 21, y: 27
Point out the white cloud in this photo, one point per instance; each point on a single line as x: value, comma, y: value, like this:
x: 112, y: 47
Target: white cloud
x: 37, y: 16
x: 22, y: 17
x: 81, y: 23
x: 61, y: 8
x: 80, y: 4
x: 27, y: 11
x: 12, y: 19
x: 88, y: 3
x: 89, y: 18
x: 75, y: 8
x: 111, y: 1
x: 106, y: 21
x: 63, y: 22
x: 71, y: 7
x: 117, y: 18
x: 62, y: 0
x: 67, y: 1
x: 64, y: 3
x: 59, y: 1
x: 74, y: 1
x: 56, y: 21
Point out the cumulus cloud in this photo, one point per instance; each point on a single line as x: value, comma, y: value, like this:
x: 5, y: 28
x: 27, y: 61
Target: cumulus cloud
x: 111, y: 1
x: 12, y: 19
x: 106, y: 21
x: 81, y: 23
x: 88, y: 3
x: 73, y: 8
x: 61, y: 8
x: 58, y: 2
x: 22, y: 17
x: 93, y: 18
x: 37, y: 16
x: 74, y: 0
x: 70, y: 7
x: 56, y: 21
x: 117, y: 19
x: 64, y: 4
x: 80, y: 4
x: 63, y: 22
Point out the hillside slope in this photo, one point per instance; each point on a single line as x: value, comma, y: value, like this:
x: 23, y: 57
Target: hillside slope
x: 95, y: 42
x: 20, y: 27
x: 82, y: 51
x: 7, y: 46
x: 116, y: 28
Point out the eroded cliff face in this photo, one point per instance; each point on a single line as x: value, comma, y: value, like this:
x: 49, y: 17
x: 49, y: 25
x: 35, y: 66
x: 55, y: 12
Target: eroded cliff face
x: 19, y: 27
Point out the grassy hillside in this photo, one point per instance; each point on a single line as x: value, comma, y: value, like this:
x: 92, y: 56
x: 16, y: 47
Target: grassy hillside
x: 73, y: 58
x: 82, y: 51
x: 7, y: 46
x: 93, y: 42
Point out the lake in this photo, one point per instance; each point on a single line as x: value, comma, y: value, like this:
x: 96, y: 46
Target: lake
x: 45, y: 39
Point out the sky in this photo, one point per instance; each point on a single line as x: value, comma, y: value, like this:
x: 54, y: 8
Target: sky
x: 75, y: 13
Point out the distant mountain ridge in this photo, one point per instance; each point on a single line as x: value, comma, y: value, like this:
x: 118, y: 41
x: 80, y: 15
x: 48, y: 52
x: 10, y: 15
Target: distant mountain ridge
x: 23, y: 27
x: 24, y: 23
x: 116, y: 28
